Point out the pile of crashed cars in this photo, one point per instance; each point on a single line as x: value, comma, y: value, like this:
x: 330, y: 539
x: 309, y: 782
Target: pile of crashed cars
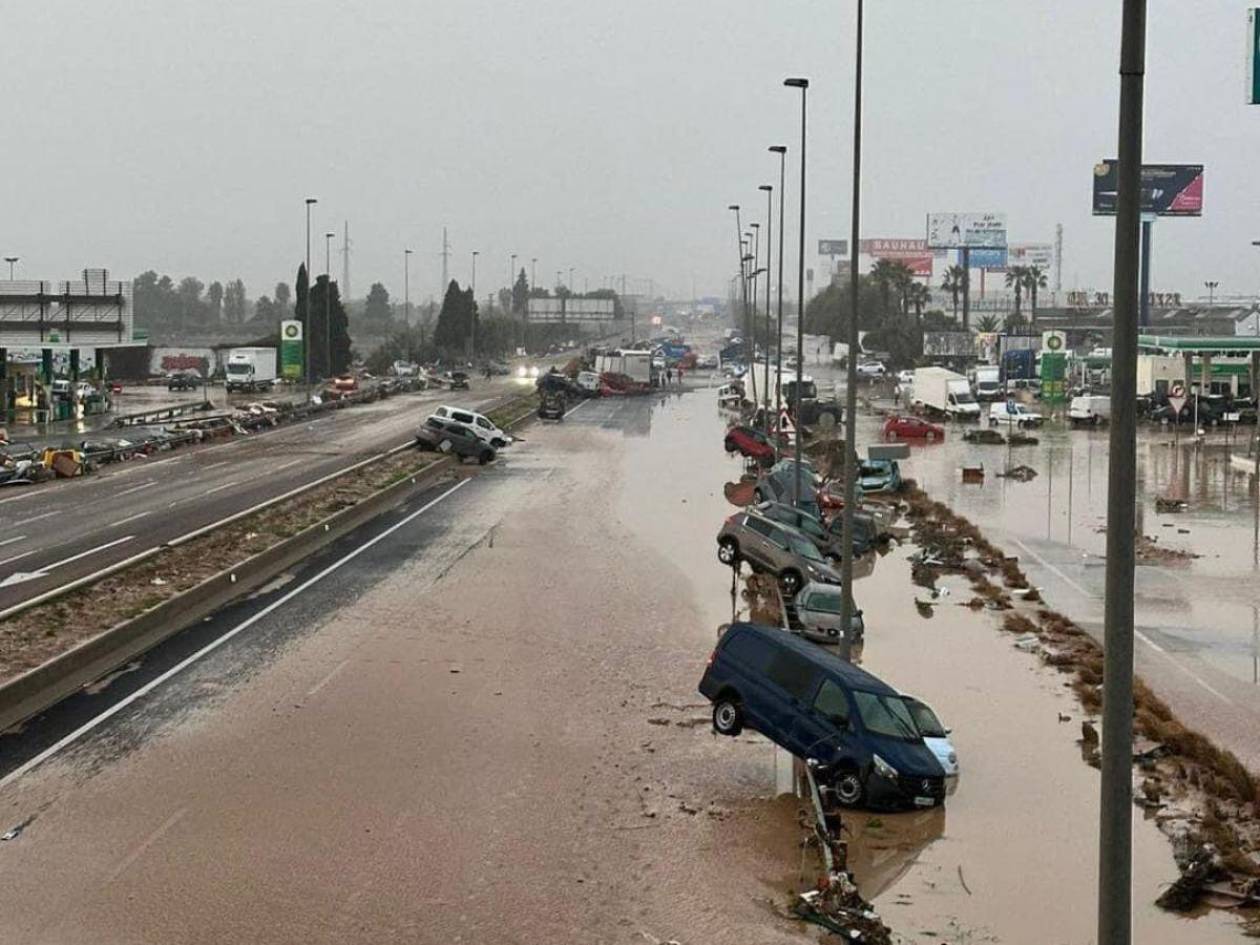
x: 868, y: 744
x: 462, y: 432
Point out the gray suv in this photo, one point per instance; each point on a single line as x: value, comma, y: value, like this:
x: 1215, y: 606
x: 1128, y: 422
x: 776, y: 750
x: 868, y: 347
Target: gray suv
x: 778, y: 549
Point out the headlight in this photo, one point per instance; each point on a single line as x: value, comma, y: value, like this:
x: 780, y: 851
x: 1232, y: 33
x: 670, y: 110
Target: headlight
x: 884, y: 769
x: 521, y: 371
x: 953, y: 758
x: 533, y: 371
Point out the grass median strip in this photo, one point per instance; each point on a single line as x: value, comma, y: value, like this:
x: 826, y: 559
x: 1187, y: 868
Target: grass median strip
x: 33, y: 637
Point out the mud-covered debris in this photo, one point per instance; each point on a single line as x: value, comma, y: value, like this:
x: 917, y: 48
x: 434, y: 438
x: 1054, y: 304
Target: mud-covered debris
x: 1019, y: 473
x: 1022, y: 439
x: 837, y: 906
x: 1202, y: 869
x: 985, y: 436
x: 1089, y: 734
x: 1163, y: 504
x: 1028, y: 643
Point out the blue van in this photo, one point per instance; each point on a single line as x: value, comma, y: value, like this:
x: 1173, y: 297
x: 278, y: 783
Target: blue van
x: 821, y: 708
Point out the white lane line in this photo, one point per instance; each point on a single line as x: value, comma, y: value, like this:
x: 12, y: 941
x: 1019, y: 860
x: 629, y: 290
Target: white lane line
x: 275, y: 469
x: 222, y: 462
x: 9, y: 541
x: 14, y: 498
x: 17, y: 557
x: 213, y: 645
x: 1137, y: 633
x: 329, y: 678
x: 35, y: 518
x: 148, y: 842
x: 136, y: 488
x: 226, y: 485
x: 84, y: 554
x: 129, y: 518
x: 169, y: 459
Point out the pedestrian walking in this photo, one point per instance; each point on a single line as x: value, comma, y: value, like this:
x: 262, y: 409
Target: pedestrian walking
x: 669, y: 376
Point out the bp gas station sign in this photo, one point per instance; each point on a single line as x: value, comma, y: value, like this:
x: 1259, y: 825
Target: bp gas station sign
x: 1053, y: 367
x: 291, y: 349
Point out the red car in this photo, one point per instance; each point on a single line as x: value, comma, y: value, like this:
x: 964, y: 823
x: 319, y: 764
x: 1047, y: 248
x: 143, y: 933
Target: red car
x: 750, y: 442
x: 912, y: 428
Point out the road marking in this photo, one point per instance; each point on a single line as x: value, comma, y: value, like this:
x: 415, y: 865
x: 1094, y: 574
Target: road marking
x: 20, y: 577
x: 169, y: 459
x: 16, y: 557
x: 9, y: 541
x: 226, y: 485
x: 148, y: 842
x: 214, y: 465
x: 1080, y: 590
x: 276, y: 469
x: 136, y: 488
x: 129, y: 518
x: 14, y: 498
x: 35, y: 518
x: 327, y: 679
x: 213, y: 645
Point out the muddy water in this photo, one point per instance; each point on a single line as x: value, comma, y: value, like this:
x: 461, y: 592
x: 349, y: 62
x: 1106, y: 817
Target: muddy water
x: 1012, y: 857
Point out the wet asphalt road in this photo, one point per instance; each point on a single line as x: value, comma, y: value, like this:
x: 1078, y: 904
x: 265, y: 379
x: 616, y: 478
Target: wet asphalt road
x: 55, y: 533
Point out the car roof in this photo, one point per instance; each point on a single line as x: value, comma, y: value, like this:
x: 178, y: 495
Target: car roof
x: 851, y: 675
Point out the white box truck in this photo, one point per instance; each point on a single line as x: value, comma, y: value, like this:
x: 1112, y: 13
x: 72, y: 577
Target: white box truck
x: 251, y: 369
x: 986, y: 380
x: 941, y: 391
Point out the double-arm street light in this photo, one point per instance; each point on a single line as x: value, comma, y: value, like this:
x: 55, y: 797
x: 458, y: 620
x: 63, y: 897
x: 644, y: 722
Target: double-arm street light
x: 743, y: 276
x: 11, y: 260
x: 1211, y: 287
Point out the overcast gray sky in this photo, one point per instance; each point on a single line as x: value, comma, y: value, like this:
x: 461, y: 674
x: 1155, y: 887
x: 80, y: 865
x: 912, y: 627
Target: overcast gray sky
x: 183, y: 135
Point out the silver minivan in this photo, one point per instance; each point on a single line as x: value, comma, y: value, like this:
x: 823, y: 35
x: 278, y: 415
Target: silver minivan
x: 818, y: 609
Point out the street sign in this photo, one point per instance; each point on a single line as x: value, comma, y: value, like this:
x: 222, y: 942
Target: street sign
x: 833, y: 247
x: 1253, y: 54
x: 1053, y: 341
x: 1176, y: 403
x: 291, y: 356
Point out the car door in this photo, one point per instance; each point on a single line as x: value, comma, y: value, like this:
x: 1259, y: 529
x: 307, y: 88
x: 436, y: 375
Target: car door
x: 822, y: 727
x: 759, y: 545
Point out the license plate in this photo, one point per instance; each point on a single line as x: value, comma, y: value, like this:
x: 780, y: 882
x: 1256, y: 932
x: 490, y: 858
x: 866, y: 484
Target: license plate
x: 925, y: 802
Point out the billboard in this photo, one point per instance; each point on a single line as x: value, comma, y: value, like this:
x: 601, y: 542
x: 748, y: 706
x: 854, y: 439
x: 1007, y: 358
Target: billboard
x: 977, y: 230
x: 949, y: 344
x: 833, y: 247
x: 1168, y: 190
x: 571, y: 309
x: 1040, y: 255
x: 990, y: 259
x: 914, y: 254
x: 291, y: 356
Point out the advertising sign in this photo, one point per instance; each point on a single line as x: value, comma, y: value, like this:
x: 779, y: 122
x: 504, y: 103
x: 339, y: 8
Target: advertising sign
x: 1040, y: 255
x: 291, y: 355
x: 914, y: 254
x: 1053, y: 376
x: 985, y: 258
x: 833, y: 247
x: 1053, y: 341
x: 1168, y: 190
x: 1253, y: 52
x: 952, y: 230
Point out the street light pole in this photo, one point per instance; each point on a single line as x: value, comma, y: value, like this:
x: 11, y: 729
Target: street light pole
x: 533, y: 272
x: 407, y: 287
x: 1115, y: 839
x: 11, y: 260
x: 765, y: 387
x: 780, y: 150
x: 328, y: 358
x: 743, y: 275
x: 1210, y: 286
x: 850, y: 393
x: 803, y: 85
x: 306, y: 306
x: 472, y: 348
x: 752, y: 317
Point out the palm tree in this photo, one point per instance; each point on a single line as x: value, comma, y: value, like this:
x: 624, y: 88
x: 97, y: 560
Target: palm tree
x: 953, y: 282
x: 987, y: 323
x: 1015, y: 277
x: 883, y: 275
x: 918, y: 295
x: 1034, y: 279
x: 902, y: 280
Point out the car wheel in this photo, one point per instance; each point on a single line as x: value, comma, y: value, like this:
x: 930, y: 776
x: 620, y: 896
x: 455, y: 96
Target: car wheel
x: 728, y: 551
x: 850, y: 791
x: 487, y: 456
x: 992, y: 422
x: 728, y: 717
x: 498, y: 443
x: 790, y: 581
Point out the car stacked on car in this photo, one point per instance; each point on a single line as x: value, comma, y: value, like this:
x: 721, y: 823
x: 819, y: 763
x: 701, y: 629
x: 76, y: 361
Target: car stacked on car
x: 868, y: 744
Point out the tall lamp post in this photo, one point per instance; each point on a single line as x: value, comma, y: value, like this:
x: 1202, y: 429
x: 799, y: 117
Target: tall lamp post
x: 1115, y: 836
x: 328, y: 359
x: 306, y: 303
x: 765, y: 388
x: 803, y: 85
x: 781, y: 151
x: 743, y: 275
x: 472, y: 353
x: 1210, y: 286
x: 407, y: 287
x: 850, y: 394
x: 753, y: 270
x: 533, y: 272
x: 11, y: 260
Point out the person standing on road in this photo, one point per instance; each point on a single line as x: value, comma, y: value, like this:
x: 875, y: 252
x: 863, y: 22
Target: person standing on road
x: 680, y: 370
x: 669, y: 377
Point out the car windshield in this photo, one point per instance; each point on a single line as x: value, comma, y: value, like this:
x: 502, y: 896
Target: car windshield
x: 963, y: 397
x: 803, y: 546
x: 925, y: 719
x: 885, y: 715
x: 238, y: 368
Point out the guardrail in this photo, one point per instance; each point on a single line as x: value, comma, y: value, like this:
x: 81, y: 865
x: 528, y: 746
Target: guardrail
x: 46, y: 685
x: 162, y: 414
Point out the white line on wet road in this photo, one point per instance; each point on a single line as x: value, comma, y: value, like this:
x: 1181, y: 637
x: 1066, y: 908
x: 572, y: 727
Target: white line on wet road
x: 36, y: 518
x: 129, y: 518
x: 136, y: 488
x: 226, y: 485
x: 9, y: 541
x: 148, y: 842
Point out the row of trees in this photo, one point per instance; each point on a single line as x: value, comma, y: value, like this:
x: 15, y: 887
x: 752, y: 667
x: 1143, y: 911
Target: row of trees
x: 190, y: 305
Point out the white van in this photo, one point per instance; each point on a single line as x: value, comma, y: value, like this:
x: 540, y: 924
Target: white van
x: 480, y: 424
x: 1089, y: 409
x: 1016, y: 414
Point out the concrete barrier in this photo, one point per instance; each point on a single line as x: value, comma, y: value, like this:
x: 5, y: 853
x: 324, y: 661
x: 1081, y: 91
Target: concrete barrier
x: 46, y: 685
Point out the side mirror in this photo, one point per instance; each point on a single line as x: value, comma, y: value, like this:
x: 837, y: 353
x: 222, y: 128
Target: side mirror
x: 948, y: 730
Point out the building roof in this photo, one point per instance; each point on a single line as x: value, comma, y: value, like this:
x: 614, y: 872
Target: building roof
x: 1199, y: 344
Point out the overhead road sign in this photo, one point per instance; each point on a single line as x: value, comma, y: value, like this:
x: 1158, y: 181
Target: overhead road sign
x: 1168, y: 190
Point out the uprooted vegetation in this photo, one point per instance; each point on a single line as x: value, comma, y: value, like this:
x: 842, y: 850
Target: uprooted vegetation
x: 1202, y: 797
x: 39, y: 633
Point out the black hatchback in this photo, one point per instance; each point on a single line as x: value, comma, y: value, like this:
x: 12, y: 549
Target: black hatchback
x: 822, y: 709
